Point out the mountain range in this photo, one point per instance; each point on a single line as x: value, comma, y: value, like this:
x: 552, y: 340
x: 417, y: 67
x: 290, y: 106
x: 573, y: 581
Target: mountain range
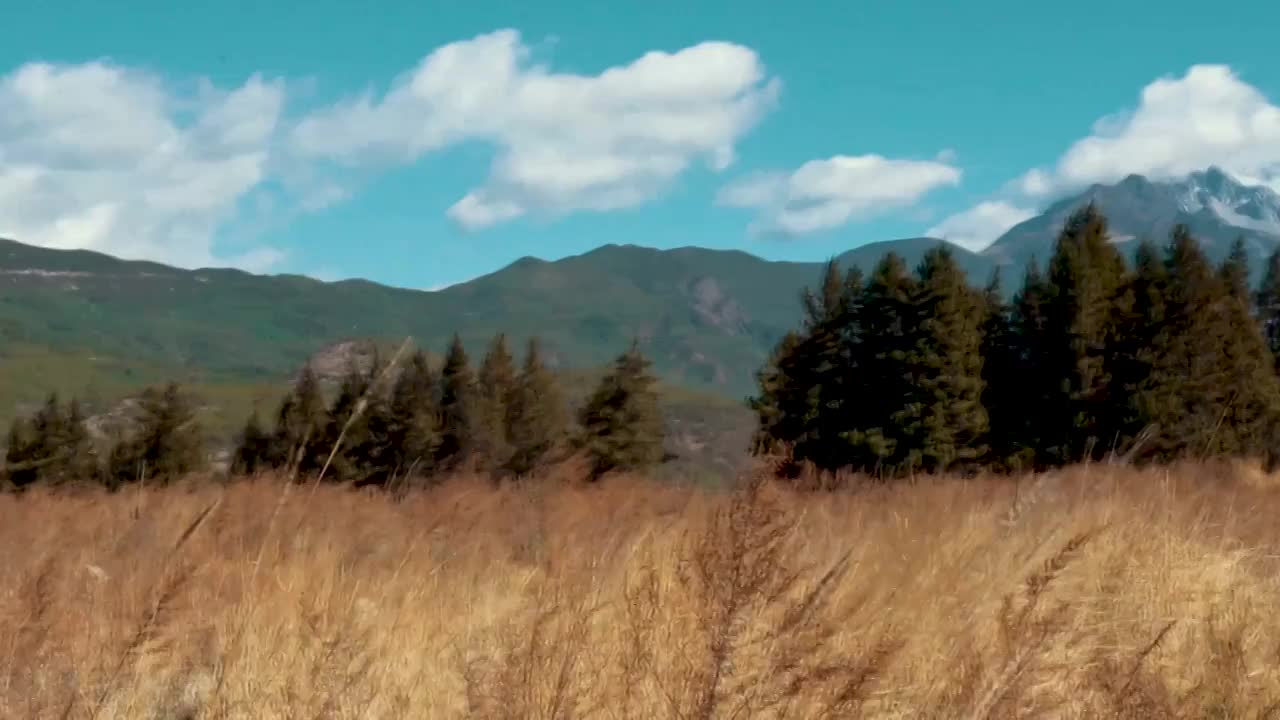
x: 89, y: 324
x: 1215, y: 206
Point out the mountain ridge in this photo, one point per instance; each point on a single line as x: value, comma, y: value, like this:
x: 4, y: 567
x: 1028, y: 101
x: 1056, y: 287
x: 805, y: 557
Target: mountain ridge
x: 1210, y: 202
x: 708, y: 318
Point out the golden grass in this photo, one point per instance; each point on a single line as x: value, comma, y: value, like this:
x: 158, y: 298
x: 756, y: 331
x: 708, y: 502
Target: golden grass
x: 1095, y: 592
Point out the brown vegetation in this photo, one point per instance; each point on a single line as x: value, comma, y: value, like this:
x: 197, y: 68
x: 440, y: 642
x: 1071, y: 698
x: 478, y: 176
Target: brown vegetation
x: 1091, y: 592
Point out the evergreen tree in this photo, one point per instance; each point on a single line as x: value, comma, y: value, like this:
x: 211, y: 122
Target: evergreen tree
x: 1234, y: 271
x: 776, y: 396
x: 942, y: 421
x: 1083, y: 302
x: 22, y: 455
x: 412, y: 421
x: 1268, y: 305
x: 458, y: 409
x: 1211, y: 388
x: 497, y: 382
x: 537, y: 421
x: 52, y: 447
x: 1002, y: 369
x: 807, y: 400
x: 253, y: 448
x: 825, y: 305
x: 1138, y: 346
x: 167, y: 443
x: 81, y: 455
x: 621, y: 421
x: 1024, y: 433
x: 1253, y: 400
x: 886, y: 338
x: 300, y: 426
x: 350, y: 426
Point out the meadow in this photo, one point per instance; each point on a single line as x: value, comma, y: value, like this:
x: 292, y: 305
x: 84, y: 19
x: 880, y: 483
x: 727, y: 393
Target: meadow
x: 1095, y: 591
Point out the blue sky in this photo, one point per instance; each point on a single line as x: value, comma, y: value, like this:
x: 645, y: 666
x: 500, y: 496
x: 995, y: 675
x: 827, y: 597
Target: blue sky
x: 426, y: 143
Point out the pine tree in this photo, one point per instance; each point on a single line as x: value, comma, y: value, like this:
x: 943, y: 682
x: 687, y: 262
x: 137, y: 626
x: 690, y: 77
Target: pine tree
x: 348, y: 426
x: 297, y: 440
x: 458, y: 409
x: 1267, y: 300
x: 621, y: 422
x: 21, y: 455
x: 943, y: 423
x: 1002, y: 369
x: 497, y: 382
x: 253, y: 448
x: 52, y: 447
x: 824, y: 306
x: 81, y: 462
x: 537, y: 422
x: 1252, y: 412
x: 1138, y: 345
x: 1024, y: 432
x: 1234, y: 271
x: 776, y: 395
x: 1083, y: 302
x: 887, y: 336
x: 803, y: 405
x: 412, y: 421
x: 167, y: 443
x: 1211, y: 388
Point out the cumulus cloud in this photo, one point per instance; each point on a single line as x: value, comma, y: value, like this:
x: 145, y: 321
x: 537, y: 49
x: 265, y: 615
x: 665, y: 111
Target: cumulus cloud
x: 823, y: 194
x: 110, y: 158
x: 978, y: 226
x: 118, y: 159
x: 565, y: 142
x: 1209, y: 116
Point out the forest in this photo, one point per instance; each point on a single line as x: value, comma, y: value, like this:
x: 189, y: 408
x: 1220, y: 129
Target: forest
x: 1164, y: 358
x: 1160, y: 357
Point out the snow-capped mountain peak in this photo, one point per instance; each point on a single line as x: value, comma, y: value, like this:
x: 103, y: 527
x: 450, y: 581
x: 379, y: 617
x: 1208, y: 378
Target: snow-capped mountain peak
x: 1234, y: 203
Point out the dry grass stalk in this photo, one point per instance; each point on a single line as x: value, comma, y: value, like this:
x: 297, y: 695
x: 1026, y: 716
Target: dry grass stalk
x: 1123, y: 593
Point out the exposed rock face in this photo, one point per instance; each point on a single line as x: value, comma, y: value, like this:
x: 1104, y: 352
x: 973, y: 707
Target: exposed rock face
x: 715, y: 308
x: 332, y: 362
x: 120, y: 420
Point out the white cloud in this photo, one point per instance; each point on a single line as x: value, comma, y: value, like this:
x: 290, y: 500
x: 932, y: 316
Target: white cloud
x: 110, y: 158
x: 979, y: 226
x: 823, y: 194
x: 565, y: 142
x: 1209, y: 116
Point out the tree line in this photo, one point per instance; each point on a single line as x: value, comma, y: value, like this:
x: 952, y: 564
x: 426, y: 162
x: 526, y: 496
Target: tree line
x: 1166, y: 357
x: 405, y: 421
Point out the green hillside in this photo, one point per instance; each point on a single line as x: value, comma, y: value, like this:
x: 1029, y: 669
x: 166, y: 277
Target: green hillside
x: 708, y: 318
x: 99, y: 328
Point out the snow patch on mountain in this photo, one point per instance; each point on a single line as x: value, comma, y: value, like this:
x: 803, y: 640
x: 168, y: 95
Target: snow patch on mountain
x: 1255, y: 207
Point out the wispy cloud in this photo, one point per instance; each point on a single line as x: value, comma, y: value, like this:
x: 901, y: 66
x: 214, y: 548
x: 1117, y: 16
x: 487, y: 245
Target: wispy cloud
x: 976, y: 227
x: 824, y: 194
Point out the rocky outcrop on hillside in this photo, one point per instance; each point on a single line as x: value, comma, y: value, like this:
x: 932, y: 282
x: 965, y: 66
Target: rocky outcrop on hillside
x: 713, y: 307
x: 332, y: 362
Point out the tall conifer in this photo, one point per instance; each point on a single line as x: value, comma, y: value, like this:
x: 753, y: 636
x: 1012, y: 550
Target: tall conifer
x: 622, y: 427
x: 537, y: 422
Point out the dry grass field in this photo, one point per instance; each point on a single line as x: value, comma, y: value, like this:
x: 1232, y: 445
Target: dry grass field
x: 1095, y: 592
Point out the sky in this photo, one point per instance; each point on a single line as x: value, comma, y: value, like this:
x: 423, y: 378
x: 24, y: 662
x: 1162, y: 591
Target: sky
x: 422, y: 144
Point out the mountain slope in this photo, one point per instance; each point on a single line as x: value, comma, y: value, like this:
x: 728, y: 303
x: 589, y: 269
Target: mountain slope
x: 89, y: 325
x: 1216, y: 207
x: 708, y: 317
